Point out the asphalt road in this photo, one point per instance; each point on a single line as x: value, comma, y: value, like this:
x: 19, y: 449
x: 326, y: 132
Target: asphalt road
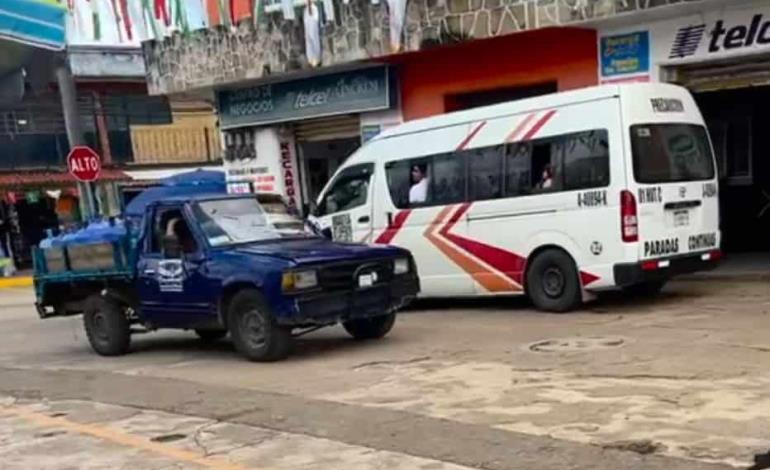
x: 677, y: 382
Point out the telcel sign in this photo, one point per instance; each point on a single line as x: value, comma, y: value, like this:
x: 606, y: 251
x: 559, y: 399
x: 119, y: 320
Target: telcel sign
x: 728, y: 34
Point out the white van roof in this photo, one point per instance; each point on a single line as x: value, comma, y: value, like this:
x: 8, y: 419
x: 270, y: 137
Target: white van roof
x: 516, y: 107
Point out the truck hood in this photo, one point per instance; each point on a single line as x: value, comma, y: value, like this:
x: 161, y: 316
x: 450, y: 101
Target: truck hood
x: 318, y: 250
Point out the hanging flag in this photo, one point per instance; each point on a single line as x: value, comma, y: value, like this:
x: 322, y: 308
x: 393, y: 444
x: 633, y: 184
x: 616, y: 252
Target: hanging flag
x: 312, y: 21
x: 256, y: 15
x: 118, y: 19
x: 288, y: 9
x: 96, y: 21
x: 231, y: 7
x: 328, y: 10
x: 224, y: 16
x: 180, y: 17
x: 126, y: 19
x: 161, y: 12
x: 397, y: 13
x: 149, y: 17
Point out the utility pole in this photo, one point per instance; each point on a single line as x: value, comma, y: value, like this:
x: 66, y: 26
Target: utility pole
x: 69, y: 104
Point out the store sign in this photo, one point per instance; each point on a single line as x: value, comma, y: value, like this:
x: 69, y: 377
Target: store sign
x: 718, y: 34
x: 326, y: 95
x: 289, y: 174
x: 625, y: 54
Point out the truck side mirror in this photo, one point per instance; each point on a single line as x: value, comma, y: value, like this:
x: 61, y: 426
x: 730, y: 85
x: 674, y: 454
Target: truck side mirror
x: 172, y: 248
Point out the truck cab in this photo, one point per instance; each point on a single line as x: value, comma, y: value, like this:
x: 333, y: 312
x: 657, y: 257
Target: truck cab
x: 218, y: 264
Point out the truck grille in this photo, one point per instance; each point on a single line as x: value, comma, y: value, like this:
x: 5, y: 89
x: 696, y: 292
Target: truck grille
x: 344, y: 276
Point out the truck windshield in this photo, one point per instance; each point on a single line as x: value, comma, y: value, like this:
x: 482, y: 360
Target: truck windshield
x: 669, y: 153
x: 243, y: 220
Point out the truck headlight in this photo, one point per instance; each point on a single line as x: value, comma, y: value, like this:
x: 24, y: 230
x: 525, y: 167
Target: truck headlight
x: 299, y: 280
x: 401, y: 266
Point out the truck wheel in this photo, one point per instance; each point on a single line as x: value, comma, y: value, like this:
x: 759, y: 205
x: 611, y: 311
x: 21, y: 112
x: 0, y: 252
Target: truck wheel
x: 645, y: 289
x: 254, y: 330
x: 107, y: 326
x: 209, y: 336
x: 552, y: 282
x: 370, y: 328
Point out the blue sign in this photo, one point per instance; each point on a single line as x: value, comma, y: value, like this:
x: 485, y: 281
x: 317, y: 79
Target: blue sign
x: 625, y: 54
x: 325, y: 95
x: 33, y: 22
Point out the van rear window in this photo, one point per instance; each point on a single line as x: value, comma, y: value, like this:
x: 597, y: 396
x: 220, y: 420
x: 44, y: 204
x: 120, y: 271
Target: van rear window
x: 669, y: 153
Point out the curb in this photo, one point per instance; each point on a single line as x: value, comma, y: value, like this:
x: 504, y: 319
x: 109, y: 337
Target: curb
x: 21, y: 281
x: 727, y: 277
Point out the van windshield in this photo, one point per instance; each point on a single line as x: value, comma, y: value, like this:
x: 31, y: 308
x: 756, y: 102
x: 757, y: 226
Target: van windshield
x: 669, y: 153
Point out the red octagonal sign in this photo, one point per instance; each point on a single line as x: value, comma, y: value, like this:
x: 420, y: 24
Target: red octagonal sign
x: 84, y: 163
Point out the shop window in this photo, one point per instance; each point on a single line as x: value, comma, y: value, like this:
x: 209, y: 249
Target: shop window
x: 349, y: 190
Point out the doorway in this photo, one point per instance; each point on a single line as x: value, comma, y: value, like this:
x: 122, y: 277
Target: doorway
x: 737, y: 120
x: 320, y: 159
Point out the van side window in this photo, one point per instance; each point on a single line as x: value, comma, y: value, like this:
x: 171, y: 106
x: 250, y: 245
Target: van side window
x: 447, y: 180
x: 586, y: 160
x: 435, y: 180
x: 349, y: 190
x: 485, y: 173
x: 518, y: 169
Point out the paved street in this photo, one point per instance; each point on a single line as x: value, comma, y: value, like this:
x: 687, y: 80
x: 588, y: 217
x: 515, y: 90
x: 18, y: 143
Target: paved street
x: 678, y: 382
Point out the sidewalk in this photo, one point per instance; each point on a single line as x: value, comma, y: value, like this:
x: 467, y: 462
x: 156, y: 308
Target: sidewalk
x: 737, y: 267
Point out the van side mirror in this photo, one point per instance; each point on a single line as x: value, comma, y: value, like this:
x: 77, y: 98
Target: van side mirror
x: 172, y: 248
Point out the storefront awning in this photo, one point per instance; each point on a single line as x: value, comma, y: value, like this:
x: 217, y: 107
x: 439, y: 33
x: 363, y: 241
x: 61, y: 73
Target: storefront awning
x: 52, y: 179
x: 38, y: 23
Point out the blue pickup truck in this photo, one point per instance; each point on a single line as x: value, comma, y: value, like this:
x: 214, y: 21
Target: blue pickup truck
x: 216, y: 264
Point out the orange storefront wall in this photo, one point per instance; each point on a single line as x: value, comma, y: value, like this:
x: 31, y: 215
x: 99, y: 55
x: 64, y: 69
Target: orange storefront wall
x: 567, y: 56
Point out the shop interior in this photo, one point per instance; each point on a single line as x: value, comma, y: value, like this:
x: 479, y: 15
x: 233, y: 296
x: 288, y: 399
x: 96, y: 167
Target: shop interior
x: 321, y: 158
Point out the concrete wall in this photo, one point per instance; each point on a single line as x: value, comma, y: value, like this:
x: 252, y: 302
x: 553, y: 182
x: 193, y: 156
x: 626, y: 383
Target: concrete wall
x: 360, y: 30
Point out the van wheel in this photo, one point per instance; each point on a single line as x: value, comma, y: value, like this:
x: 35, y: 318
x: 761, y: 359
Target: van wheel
x: 553, y: 283
x: 370, y: 328
x: 645, y: 289
x: 107, y: 326
x: 209, y: 336
x: 254, y: 330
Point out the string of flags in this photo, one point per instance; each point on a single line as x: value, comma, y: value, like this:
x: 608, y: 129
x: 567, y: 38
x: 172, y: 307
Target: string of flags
x: 132, y: 21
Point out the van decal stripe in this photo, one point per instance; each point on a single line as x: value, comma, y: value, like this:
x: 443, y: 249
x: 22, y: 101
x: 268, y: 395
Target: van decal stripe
x: 587, y: 278
x: 489, y: 280
x: 390, y: 233
x: 510, y: 264
x: 539, y: 125
x: 516, y: 132
x: 470, y: 136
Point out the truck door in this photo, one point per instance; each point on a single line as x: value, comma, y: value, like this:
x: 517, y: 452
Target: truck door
x: 345, y: 209
x: 174, y: 290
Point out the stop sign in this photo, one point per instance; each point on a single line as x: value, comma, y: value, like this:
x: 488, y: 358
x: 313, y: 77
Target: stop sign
x: 84, y: 164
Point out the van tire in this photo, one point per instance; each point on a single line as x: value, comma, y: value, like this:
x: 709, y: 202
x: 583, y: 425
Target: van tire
x: 107, y: 326
x: 645, y: 289
x: 553, y: 283
x: 370, y: 328
x: 254, y: 331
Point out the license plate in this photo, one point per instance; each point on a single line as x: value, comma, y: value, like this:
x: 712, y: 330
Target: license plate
x: 366, y: 280
x: 681, y: 218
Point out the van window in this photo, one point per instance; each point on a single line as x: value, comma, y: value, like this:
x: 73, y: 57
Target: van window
x: 668, y: 153
x: 566, y: 162
x: 485, y: 170
x: 350, y: 189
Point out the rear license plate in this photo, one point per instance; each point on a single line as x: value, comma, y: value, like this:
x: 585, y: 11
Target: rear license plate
x: 681, y: 218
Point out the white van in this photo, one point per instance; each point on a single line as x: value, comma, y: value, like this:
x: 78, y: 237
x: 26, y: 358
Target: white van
x: 555, y: 196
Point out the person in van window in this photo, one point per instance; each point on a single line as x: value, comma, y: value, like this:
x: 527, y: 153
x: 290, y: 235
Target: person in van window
x: 546, y: 180
x: 418, y: 193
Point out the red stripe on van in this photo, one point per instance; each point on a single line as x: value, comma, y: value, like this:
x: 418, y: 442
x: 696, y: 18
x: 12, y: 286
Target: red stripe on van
x: 539, y: 125
x: 390, y: 233
x: 516, y: 132
x: 470, y: 136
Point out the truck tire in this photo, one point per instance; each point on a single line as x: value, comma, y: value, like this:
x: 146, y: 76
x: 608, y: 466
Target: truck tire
x: 552, y: 282
x: 254, y: 330
x: 370, y: 328
x: 209, y: 336
x: 107, y: 327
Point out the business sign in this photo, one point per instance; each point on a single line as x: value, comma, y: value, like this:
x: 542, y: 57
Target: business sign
x: 716, y: 35
x: 625, y: 54
x: 325, y: 95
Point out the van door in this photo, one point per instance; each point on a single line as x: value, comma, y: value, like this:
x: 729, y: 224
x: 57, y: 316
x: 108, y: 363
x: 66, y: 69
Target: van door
x: 344, y: 211
x: 676, y: 189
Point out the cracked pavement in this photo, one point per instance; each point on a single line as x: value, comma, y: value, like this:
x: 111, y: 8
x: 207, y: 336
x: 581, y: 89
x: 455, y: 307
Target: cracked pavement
x: 675, y: 382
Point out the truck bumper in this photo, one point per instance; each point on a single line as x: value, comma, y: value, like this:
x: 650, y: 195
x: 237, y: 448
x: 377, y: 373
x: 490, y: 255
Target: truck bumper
x: 663, y: 269
x: 329, y: 308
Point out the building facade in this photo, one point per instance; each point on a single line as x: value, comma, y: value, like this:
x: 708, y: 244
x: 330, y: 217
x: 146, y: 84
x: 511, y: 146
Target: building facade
x: 722, y: 54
